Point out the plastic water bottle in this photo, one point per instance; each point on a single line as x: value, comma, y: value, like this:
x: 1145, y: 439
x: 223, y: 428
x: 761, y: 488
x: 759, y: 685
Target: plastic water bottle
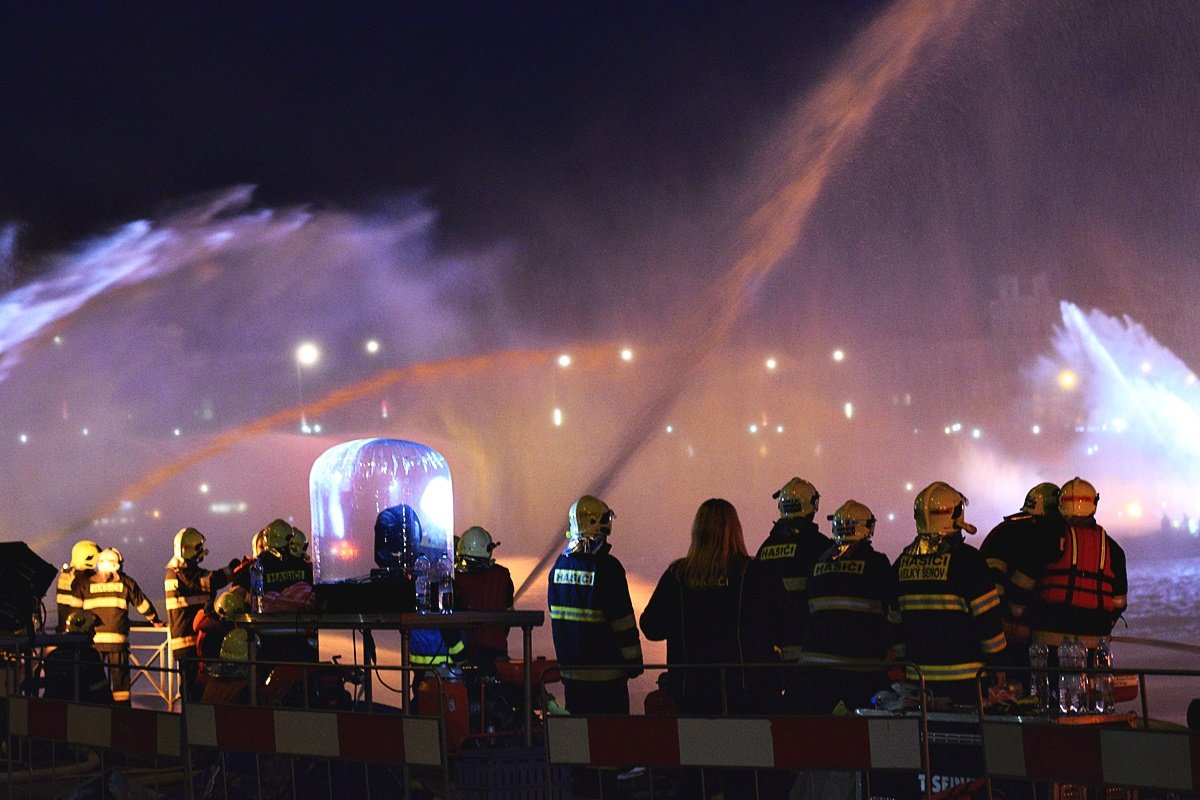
x: 256, y: 587
x: 1070, y: 684
x: 445, y: 576
x: 1102, y: 687
x: 1039, y: 679
x: 421, y: 578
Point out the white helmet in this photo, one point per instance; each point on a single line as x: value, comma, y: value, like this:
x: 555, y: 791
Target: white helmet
x: 477, y: 543
x: 1078, y: 499
x: 590, y: 520
x: 797, y: 498
x: 852, y: 522
x: 938, y: 511
x: 109, y: 561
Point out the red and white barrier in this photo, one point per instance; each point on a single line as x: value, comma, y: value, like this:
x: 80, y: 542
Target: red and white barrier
x: 129, y: 730
x: 782, y: 743
x: 1089, y: 754
x: 320, y: 734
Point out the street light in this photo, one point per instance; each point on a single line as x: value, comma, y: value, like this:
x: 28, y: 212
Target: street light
x: 307, y: 354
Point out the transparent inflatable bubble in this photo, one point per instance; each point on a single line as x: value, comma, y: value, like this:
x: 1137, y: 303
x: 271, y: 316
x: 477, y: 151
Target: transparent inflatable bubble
x: 379, y: 503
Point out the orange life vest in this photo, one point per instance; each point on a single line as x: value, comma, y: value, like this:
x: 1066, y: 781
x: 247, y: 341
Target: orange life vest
x: 1082, y: 575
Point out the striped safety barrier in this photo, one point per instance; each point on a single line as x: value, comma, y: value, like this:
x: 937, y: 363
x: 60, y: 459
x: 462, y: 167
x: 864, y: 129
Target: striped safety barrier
x: 383, y: 738
x: 838, y: 743
x: 1093, y: 755
x: 129, y: 730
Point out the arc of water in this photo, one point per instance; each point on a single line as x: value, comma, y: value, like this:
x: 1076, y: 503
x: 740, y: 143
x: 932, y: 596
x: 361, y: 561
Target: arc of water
x: 826, y: 127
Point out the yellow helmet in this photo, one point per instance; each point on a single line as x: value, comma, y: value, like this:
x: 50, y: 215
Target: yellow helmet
x: 797, y: 498
x: 236, y: 646
x: 477, y: 543
x: 109, y: 561
x: 189, y: 545
x: 83, y: 554
x: 590, y: 517
x: 79, y: 621
x: 298, y: 544
x: 230, y: 604
x: 276, y: 535
x: 258, y: 544
x: 1042, y: 500
x: 1078, y: 499
x: 852, y: 522
x: 938, y: 510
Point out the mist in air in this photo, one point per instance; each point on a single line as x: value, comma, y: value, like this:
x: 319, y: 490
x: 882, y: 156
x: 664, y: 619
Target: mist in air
x: 965, y: 253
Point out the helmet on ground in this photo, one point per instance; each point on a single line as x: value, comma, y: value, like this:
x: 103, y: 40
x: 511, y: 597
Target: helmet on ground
x: 236, y: 646
x: 590, y: 517
x: 276, y: 535
x: 109, y: 561
x: 1042, y: 500
x: 938, y: 510
x: 477, y: 543
x: 797, y: 498
x: 852, y: 522
x: 189, y: 545
x: 298, y: 544
x: 83, y: 554
x: 1078, y: 499
x: 230, y: 604
x: 80, y: 621
x: 397, y: 536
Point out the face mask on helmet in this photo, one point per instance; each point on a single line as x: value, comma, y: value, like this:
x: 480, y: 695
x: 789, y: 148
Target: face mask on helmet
x: 476, y: 543
x: 797, y: 498
x: 1042, y: 500
x: 189, y: 545
x: 83, y: 554
x: 109, y: 561
x: 1078, y: 499
x: 852, y: 522
x: 938, y: 510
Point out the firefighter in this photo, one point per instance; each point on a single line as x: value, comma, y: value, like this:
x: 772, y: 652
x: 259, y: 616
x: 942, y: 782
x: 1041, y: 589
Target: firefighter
x: 109, y: 594
x: 67, y: 660
x: 188, y: 588
x: 1016, y: 550
x: 848, y: 595
x: 945, y: 603
x: 480, y: 584
x: 82, y: 563
x: 591, y: 615
x: 1081, y: 592
x: 280, y: 570
x: 789, y: 553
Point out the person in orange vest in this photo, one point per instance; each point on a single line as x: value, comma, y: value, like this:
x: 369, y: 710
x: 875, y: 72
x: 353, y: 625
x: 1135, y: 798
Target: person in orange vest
x: 480, y: 584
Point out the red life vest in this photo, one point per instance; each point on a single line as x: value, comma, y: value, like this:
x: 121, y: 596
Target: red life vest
x: 1082, y: 575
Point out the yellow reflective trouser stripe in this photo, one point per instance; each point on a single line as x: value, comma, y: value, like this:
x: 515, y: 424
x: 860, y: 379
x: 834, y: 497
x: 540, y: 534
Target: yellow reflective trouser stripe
x: 106, y: 637
x: 441, y: 658
x: 457, y: 648
x: 1024, y: 581
x: 795, y: 584
x: 180, y: 642
x: 839, y: 603
x: 175, y: 603
x: 632, y: 652
x: 593, y: 674
x: 572, y: 614
x: 105, y: 602
x: 945, y: 672
x: 994, y: 644
x: 624, y: 624
x: 985, y: 603
x: 932, y: 602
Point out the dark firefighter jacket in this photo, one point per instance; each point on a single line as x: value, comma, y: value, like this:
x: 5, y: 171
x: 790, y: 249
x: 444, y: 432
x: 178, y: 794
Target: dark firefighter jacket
x: 789, y: 553
x: 1016, y: 551
x: 1082, y: 592
x: 591, y: 617
x: 948, y: 612
x: 189, y: 587
x: 64, y: 593
x: 848, y: 596
x: 110, y: 597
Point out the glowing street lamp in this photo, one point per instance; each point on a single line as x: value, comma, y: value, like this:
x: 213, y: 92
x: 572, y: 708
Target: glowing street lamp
x: 564, y: 361
x: 307, y: 355
x: 372, y: 346
x: 1067, y: 380
x: 772, y: 363
x: 626, y: 354
x: 839, y: 355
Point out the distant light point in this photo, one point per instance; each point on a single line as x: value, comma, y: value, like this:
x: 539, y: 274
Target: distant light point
x: 626, y: 354
x: 307, y: 354
x: 839, y: 355
x: 772, y: 363
x: 372, y: 346
x: 564, y: 361
x: 558, y: 417
x: 1067, y: 380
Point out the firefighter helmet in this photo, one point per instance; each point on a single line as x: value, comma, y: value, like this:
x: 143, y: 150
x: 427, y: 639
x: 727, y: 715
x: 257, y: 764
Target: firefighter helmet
x: 189, y: 545
x: 276, y: 535
x: 477, y: 543
x: 1042, y: 500
x: 236, y: 646
x: 298, y: 544
x: 590, y: 517
x: 79, y: 621
x: 938, y: 510
x: 797, y: 498
x: 230, y: 604
x: 1078, y: 499
x: 258, y: 544
x: 852, y: 522
x: 83, y: 554
x: 109, y: 561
